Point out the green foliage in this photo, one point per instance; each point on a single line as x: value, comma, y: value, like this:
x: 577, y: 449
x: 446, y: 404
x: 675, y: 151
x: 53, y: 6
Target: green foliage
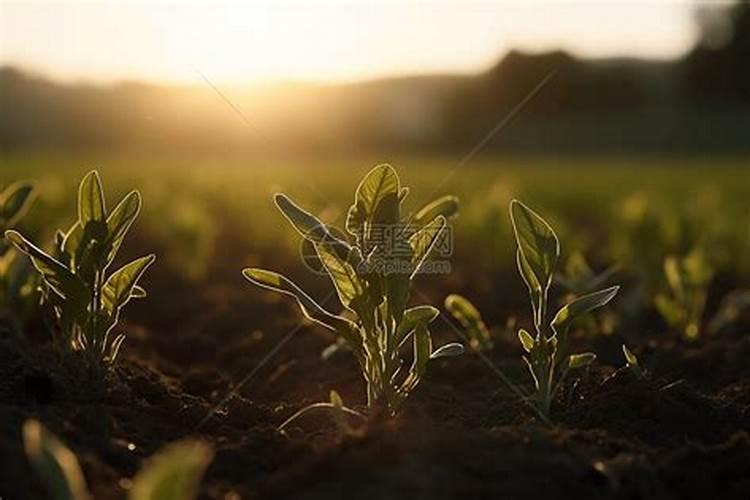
x: 682, y: 306
x: 16, y: 279
x: 14, y: 202
x: 471, y: 320
x: 372, y: 267
x: 546, y: 351
x: 55, y: 465
x: 174, y: 473
x: 86, y: 298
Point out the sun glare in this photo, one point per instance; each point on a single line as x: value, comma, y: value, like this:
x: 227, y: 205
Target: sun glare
x: 240, y: 42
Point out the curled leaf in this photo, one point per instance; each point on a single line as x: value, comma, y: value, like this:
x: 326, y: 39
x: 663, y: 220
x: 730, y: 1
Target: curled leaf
x: 448, y: 351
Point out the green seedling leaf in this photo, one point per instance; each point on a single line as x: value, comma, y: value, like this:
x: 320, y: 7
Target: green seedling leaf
x: 91, y: 199
x: 527, y: 341
x: 448, y: 351
x: 468, y: 315
x: 422, y: 353
x: 120, y: 221
x: 537, y: 243
x: 54, y: 273
x: 413, y: 318
x: 14, y: 201
x: 582, y: 305
x: 629, y: 356
x: 381, y: 182
x: 311, y: 309
x: 55, y: 465
x: 446, y: 207
x: 581, y: 360
x: 349, y: 286
x: 118, y: 289
x: 309, y: 226
x: 424, y: 241
x: 174, y: 473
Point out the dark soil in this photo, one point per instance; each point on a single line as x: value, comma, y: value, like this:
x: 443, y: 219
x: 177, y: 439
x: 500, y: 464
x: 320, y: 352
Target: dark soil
x: 680, y: 433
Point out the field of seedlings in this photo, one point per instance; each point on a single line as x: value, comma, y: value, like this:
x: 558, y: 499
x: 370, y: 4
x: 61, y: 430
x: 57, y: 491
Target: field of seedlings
x: 510, y: 327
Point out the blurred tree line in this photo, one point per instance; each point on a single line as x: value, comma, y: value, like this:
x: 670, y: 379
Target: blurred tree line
x: 700, y: 103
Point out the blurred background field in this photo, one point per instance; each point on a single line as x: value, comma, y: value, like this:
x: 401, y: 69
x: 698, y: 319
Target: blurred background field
x: 633, y: 212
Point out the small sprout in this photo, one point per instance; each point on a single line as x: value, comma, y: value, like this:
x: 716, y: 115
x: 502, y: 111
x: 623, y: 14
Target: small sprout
x: 173, y: 473
x: 372, y: 266
x: 85, y: 297
x: 468, y: 315
x: 547, y: 356
x: 683, y: 305
x: 339, y: 412
x: 631, y: 363
x: 630, y: 358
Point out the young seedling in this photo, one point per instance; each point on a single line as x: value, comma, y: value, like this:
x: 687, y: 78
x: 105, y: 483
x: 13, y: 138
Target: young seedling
x: 688, y: 279
x: 471, y: 320
x: 85, y: 297
x: 340, y: 413
x: 547, y: 350
x: 174, y: 473
x: 372, y: 267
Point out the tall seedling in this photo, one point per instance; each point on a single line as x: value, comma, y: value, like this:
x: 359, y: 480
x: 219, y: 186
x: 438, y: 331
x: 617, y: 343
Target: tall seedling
x: 372, y: 268
x: 85, y: 297
x: 547, y: 350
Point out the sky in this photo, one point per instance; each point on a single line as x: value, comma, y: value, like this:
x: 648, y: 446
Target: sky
x: 250, y: 41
